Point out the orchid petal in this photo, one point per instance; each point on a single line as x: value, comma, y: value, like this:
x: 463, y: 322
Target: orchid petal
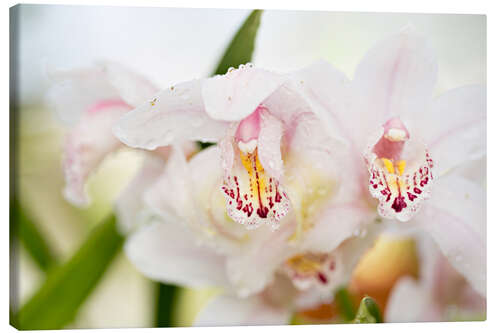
x: 267, y: 250
x: 235, y: 95
x: 75, y: 92
x: 324, y: 88
x: 439, y: 286
x: 129, y: 206
x: 408, y: 302
x: 396, y: 77
x: 175, y: 114
x: 317, y: 167
x: 133, y: 88
x: 456, y: 219
x: 231, y: 311
x: 168, y: 252
x: 269, y: 145
x: 474, y: 170
x: 170, y: 194
x: 86, y: 146
x: 462, y: 134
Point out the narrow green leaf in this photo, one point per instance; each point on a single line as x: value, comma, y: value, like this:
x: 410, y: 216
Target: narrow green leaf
x: 368, y: 312
x: 345, y: 304
x: 166, y: 299
x: 240, y: 49
x: 57, y: 301
x: 31, y: 238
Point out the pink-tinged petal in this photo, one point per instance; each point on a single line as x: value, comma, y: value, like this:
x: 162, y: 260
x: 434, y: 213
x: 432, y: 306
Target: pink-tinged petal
x: 324, y: 90
x: 456, y: 219
x: 269, y: 145
x: 235, y: 95
x: 455, y: 127
x: 228, y: 310
x: 391, y: 144
x: 133, y: 88
x: 86, y: 146
x: 75, y: 92
x: 129, y: 206
x: 249, y: 128
x: 175, y: 114
x: 168, y: 252
x: 396, y: 77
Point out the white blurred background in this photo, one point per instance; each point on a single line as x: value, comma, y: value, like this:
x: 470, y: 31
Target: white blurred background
x: 170, y: 45
x: 174, y: 44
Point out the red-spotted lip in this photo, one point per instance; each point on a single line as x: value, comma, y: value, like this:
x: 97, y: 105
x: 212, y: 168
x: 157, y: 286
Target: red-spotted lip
x: 400, y: 190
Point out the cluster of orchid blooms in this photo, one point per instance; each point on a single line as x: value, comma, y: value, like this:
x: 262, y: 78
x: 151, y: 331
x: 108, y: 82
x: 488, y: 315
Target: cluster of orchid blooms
x: 309, y: 169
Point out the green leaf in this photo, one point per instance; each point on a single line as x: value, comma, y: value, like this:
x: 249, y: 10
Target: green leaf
x: 166, y: 299
x: 57, y: 301
x: 240, y: 49
x: 31, y: 238
x: 345, y: 304
x: 368, y: 312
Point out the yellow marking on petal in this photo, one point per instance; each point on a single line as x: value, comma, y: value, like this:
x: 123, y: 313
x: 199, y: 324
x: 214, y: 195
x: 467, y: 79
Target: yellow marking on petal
x: 303, y: 265
x: 396, y: 183
x: 401, y: 165
x: 388, y: 165
x: 256, y: 173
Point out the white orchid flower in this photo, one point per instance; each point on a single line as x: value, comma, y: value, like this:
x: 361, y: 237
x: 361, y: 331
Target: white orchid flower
x: 197, y: 244
x: 90, y: 100
x: 410, y: 150
x: 277, y: 163
x: 266, y: 131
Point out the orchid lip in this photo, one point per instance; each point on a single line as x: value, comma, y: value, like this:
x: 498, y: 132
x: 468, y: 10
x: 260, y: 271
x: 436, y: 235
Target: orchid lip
x: 400, y: 185
x: 252, y: 195
x: 309, y: 269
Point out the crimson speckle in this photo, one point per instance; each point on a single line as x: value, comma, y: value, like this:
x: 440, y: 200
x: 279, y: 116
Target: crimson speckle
x: 398, y: 204
x: 322, y: 278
